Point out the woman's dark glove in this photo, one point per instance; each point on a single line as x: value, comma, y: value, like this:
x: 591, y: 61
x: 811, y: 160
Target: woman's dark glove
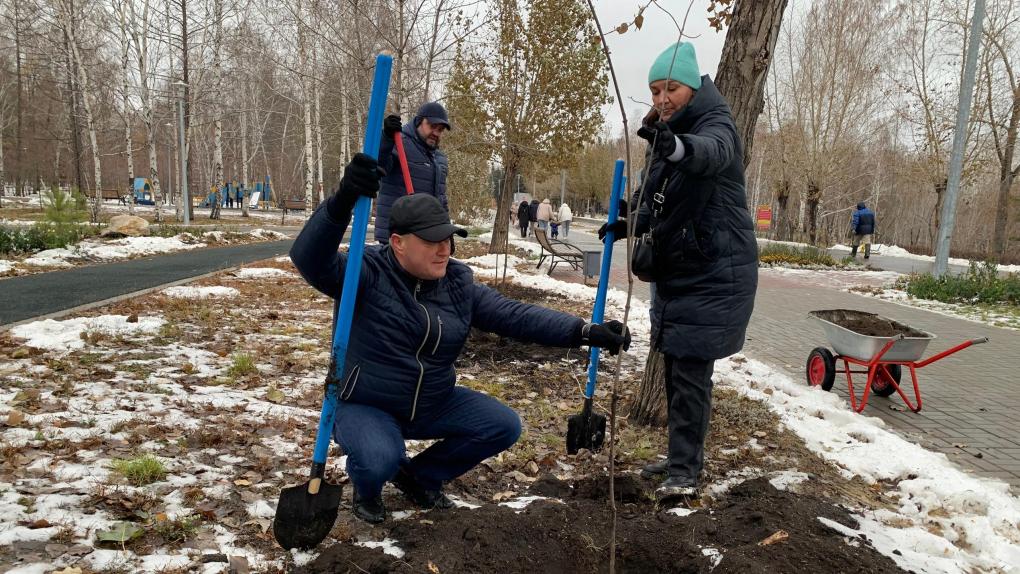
x: 391, y: 125
x: 661, y: 137
x: 611, y: 336
x: 361, y: 178
x: 618, y: 227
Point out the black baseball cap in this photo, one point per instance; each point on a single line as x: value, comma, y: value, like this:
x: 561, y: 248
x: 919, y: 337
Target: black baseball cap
x: 435, y: 113
x: 422, y: 215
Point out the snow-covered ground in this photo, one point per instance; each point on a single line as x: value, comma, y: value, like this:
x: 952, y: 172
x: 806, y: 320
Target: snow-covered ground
x: 945, y: 520
x: 1002, y: 316
x: 93, y: 250
x: 897, y: 251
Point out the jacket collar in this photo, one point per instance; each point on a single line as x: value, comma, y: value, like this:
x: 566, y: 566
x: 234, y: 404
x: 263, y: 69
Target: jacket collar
x: 706, y: 99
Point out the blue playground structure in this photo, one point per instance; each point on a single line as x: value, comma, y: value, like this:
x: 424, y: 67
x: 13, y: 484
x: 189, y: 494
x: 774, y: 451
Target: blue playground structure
x: 141, y: 191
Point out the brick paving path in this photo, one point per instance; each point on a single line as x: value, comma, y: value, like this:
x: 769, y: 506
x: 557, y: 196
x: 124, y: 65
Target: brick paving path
x: 971, y: 399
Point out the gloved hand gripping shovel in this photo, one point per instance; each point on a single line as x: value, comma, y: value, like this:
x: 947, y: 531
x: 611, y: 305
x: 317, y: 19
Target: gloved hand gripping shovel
x: 306, y: 513
x: 588, y: 430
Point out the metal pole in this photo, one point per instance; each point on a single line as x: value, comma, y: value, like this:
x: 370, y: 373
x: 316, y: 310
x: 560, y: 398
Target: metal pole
x: 563, y: 185
x: 959, y: 139
x: 185, y: 196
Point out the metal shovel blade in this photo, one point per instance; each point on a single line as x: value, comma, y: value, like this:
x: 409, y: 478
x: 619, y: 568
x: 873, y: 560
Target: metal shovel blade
x: 585, y: 430
x: 303, y: 520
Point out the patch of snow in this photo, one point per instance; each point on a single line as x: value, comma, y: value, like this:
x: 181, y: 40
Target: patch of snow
x: 681, y: 511
x: 388, y: 546
x: 187, y: 292
x: 931, y: 490
x: 92, y: 249
x: 261, y: 509
x: 462, y: 504
x: 267, y: 234
x: 784, y: 479
x: 162, y: 562
x: 33, y: 568
x: 837, y: 279
x: 6, y: 265
x: 261, y: 272
x: 66, y: 335
x: 521, y: 502
x: 530, y: 246
x: 976, y: 314
x: 897, y: 251
x: 713, y: 555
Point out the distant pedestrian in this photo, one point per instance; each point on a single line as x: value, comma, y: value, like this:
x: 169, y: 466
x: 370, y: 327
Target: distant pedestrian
x: 863, y: 225
x: 544, y: 214
x: 533, y: 213
x: 523, y: 217
x: 564, y: 216
x: 229, y: 196
x: 554, y: 228
x: 240, y: 196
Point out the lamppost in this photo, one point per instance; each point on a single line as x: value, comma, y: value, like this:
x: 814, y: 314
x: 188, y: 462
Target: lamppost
x: 185, y: 196
x: 169, y: 165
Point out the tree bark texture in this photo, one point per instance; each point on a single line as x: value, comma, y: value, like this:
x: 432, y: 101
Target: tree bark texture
x: 650, y: 406
x: 744, y: 64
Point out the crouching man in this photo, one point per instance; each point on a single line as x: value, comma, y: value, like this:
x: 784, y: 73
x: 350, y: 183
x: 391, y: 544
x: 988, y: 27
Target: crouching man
x: 415, y: 309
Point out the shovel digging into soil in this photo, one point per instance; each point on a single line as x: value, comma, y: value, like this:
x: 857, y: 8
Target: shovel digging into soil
x: 587, y: 430
x: 306, y: 513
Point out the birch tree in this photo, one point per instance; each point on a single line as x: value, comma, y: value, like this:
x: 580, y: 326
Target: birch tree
x: 126, y: 103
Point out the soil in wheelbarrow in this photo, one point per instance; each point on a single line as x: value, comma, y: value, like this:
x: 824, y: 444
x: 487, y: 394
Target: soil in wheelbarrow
x: 569, y: 531
x: 868, y: 324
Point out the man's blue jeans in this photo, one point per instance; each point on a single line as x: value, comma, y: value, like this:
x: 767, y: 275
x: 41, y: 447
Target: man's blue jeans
x: 473, y: 426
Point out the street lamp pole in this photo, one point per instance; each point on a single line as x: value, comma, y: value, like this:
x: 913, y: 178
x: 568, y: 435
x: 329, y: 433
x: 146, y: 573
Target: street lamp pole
x: 169, y: 166
x: 185, y: 196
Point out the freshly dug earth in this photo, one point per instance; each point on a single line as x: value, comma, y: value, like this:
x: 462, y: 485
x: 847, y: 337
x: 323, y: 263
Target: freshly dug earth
x: 868, y: 324
x: 570, y: 532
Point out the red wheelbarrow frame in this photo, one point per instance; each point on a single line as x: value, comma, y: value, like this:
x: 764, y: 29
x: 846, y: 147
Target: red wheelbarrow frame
x: 879, y: 368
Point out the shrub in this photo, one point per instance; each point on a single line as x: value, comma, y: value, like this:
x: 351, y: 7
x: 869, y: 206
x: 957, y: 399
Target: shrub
x: 772, y: 253
x: 42, y: 236
x: 980, y: 284
x: 242, y: 364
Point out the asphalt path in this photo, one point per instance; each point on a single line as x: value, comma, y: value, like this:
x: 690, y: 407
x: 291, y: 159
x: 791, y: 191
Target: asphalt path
x: 42, y: 294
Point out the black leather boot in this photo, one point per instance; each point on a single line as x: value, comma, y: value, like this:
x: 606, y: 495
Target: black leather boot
x: 370, y: 510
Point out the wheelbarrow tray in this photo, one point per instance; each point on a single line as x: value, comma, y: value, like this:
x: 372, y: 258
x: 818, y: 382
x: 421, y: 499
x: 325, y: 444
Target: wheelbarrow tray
x: 864, y: 347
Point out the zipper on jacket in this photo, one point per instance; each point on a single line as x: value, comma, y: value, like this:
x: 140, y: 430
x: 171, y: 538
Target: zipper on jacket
x: 417, y: 356
x: 439, y: 337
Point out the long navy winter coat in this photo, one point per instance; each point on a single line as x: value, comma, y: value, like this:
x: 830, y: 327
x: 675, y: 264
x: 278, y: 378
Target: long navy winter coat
x: 407, y: 332
x: 705, y: 241
x: 428, y: 168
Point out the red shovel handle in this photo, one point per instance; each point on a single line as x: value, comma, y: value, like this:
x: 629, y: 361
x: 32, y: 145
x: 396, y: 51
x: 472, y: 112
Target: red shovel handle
x: 399, y: 142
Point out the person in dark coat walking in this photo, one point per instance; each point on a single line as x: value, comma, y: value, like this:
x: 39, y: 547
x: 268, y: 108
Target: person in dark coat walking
x: 523, y: 217
x: 414, y: 311
x: 706, y: 258
x: 427, y: 164
x: 863, y: 226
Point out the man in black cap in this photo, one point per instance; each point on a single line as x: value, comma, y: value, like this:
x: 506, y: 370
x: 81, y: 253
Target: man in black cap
x: 415, y: 309
x: 427, y: 164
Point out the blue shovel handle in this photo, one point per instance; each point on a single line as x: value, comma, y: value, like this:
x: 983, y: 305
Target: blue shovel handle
x: 359, y: 228
x: 607, y: 259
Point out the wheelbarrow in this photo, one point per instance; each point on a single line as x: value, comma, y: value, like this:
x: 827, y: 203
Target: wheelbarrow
x: 883, y: 357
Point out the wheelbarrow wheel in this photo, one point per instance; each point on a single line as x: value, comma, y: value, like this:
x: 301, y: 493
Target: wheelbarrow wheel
x: 881, y: 386
x: 821, y: 368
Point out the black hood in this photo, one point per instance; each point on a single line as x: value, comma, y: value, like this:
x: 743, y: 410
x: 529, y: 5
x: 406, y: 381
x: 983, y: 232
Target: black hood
x: 706, y: 99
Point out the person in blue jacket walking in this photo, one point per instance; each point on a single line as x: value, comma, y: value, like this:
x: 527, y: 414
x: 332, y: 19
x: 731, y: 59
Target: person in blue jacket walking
x: 415, y: 308
x: 863, y: 226
x: 427, y: 164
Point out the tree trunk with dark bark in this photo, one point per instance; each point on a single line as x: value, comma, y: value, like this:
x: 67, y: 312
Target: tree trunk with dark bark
x: 744, y: 65
x: 814, y: 197
x: 650, y: 407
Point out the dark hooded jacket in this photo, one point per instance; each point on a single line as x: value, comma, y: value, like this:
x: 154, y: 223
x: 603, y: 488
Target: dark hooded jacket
x: 428, y: 169
x: 704, y: 238
x: 523, y: 214
x: 407, y: 333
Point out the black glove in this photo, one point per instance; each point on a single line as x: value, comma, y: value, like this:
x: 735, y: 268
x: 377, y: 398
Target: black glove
x: 611, y: 336
x: 391, y: 125
x: 361, y: 178
x: 619, y: 229
x: 659, y: 135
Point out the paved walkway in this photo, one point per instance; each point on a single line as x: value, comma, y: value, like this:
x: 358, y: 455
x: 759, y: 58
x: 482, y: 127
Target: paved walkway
x: 971, y: 399
x: 30, y: 296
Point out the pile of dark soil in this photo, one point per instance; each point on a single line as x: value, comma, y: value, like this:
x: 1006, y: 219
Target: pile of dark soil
x: 571, y: 532
x: 868, y: 324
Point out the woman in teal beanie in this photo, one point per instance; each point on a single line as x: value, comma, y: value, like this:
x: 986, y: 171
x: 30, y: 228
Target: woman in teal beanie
x: 706, y: 259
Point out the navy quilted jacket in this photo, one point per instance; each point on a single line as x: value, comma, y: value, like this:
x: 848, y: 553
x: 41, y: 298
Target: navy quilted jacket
x: 428, y: 169
x: 406, y: 332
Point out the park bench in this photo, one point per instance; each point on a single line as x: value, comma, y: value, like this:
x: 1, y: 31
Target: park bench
x: 293, y: 204
x: 118, y: 194
x: 556, y: 251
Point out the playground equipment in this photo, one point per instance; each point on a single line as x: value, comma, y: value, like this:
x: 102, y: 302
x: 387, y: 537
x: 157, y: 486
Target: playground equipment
x: 141, y: 191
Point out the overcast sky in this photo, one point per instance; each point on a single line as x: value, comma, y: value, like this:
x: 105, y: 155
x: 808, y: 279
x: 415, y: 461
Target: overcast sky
x: 633, y: 52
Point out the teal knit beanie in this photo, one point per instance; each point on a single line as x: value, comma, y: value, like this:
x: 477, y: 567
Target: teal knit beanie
x: 684, y: 65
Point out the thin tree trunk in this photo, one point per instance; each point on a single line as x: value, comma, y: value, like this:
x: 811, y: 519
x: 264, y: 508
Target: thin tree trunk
x: 217, y: 110
x: 306, y: 108
x: 83, y: 89
x: 500, y: 230
x: 744, y: 64
x: 129, y: 152
x: 318, y: 144
x: 185, y: 77
x: 72, y: 116
x: 244, y: 161
x: 650, y: 406
x: 814, y: 197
